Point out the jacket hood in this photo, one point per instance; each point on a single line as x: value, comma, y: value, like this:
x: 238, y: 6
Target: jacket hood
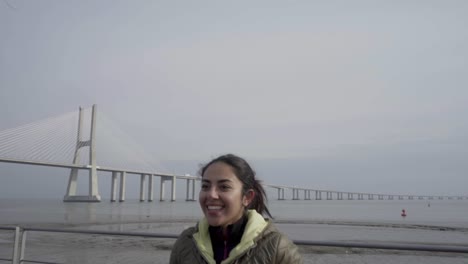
x: 256, y: 224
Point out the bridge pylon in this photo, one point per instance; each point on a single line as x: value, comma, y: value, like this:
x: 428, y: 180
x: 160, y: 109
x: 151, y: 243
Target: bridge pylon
x: 93, y: 194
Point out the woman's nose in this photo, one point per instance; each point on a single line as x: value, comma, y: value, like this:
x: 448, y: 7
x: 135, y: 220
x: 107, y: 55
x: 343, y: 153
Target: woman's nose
x: 213, y: 193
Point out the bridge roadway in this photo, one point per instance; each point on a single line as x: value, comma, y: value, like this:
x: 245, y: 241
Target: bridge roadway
x: 190, y: 192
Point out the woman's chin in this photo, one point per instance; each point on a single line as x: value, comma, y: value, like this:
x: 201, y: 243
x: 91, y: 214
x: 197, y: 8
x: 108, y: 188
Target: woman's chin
x: 214, y: 221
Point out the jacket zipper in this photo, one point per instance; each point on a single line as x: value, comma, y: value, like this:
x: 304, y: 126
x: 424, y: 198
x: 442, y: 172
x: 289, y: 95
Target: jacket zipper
x: 225, y: 250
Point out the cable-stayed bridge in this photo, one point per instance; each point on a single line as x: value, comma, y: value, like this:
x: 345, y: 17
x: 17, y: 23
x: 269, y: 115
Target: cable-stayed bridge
x: 86, y: 141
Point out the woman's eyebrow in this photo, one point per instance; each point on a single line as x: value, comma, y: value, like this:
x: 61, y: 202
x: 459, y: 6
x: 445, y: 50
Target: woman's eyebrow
x: 224, y: 181
x: 219, y: 181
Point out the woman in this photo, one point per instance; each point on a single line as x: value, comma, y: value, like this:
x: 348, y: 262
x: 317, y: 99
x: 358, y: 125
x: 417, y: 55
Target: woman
x: 233, y: 229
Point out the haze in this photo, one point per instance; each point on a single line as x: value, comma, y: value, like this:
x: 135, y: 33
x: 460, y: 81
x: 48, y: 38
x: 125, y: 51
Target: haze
x: 365, y: 96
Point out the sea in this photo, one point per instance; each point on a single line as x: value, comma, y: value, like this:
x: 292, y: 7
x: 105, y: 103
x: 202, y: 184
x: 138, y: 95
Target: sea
x: 433, y: 222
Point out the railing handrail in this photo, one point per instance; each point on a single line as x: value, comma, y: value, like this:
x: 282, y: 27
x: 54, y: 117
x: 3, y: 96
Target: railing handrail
x: 373, y: 245
x: 386, y: 246
x: 101, y: 232
x: 7, y: 228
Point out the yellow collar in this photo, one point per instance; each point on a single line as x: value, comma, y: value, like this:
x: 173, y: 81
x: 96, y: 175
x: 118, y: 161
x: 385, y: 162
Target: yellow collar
x: 255, y: 225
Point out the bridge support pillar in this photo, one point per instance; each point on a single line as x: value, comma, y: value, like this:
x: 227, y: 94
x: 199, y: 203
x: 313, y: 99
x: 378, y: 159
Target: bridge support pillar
x: 173, y: 192
x: 190, y: 182
x: 161, y: 189
x: 93, y: 194
x: 123, y: 175
x: 193, y: 189
x: 318, y: 195
x: 187, y: 194
x: 150, y: 188
x: 142, y: 187
x: 279, y: 194
x: 173, y: 185
x: 114, y: 186
x: 340, y: 195
x: 329, y: 196
x: 295, y: 193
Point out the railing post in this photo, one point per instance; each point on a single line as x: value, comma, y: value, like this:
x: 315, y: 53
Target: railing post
x: 23, y: 247
x: 16, y: 245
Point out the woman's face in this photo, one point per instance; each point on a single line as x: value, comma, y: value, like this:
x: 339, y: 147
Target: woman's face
x: 221, y: 197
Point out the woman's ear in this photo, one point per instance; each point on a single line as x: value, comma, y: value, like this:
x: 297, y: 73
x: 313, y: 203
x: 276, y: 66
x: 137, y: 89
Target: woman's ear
x: 248, y: 197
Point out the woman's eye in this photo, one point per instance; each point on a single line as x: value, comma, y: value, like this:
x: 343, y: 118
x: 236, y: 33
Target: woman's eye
x: 225, y: 187
x: 205, y: 187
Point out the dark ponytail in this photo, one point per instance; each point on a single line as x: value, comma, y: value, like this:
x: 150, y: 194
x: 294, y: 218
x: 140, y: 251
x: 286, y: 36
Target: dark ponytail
x: 246, y: 175
x: 260, y: 199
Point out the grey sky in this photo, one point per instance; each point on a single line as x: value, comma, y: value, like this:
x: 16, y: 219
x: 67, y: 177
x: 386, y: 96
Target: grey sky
x: 369, y: 94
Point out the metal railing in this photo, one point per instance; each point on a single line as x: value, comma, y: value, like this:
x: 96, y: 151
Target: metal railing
x: 14, y: 256
x: 19, y: 250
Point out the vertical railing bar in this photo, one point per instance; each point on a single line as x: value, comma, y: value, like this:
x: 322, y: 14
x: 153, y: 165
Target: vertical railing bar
x: 14, y: 260
x: 23, y: 247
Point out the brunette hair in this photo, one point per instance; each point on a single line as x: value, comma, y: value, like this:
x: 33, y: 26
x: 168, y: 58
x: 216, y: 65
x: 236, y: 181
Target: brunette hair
x: 246, y: 175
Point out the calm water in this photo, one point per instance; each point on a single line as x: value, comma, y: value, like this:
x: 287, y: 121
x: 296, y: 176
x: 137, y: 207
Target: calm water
x: 446, y: 213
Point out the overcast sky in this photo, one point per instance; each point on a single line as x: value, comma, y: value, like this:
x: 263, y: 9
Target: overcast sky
x: 361, y: 95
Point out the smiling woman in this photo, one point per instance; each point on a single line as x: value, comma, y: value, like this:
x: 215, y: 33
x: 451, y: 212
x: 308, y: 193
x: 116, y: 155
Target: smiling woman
x: 233, y: 229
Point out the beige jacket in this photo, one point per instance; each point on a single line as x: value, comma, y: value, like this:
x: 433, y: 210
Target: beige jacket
x: 260, y: 243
